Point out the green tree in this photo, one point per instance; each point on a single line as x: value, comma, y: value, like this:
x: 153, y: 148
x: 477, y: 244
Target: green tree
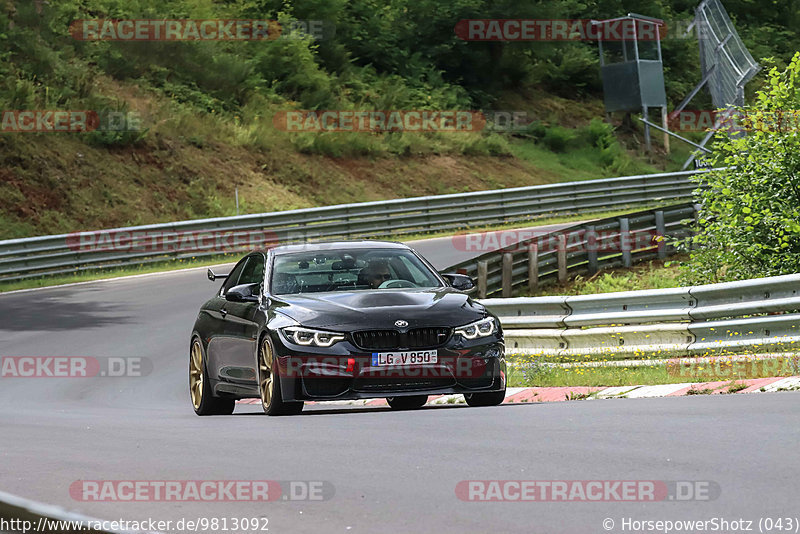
x: 749, y: 223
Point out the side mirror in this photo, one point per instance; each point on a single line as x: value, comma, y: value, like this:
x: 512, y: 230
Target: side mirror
x: 212, y: 276
x: 461, y: 282
x: 243, y: 293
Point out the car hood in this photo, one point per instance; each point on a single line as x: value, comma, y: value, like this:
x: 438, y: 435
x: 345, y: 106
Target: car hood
x: 379, y: 309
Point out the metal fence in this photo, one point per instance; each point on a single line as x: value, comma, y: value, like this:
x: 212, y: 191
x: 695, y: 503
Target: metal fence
x: 759, y: 315
x: 69, y: 253
x: 581, y: 249
x: 724, y: 59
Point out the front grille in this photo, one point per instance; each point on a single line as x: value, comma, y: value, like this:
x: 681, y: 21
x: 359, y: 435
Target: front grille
x: 377, y: 339
x: 416, y: 338
x: 393, y: 384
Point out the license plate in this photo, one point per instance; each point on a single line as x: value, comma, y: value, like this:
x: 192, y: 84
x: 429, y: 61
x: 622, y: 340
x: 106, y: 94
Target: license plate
x: 418, y: 357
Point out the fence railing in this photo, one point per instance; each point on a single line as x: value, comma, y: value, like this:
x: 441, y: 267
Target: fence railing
x: 584, y: 248
x: 24, y: 515
x: 759, y: 315
x: 68, y: 253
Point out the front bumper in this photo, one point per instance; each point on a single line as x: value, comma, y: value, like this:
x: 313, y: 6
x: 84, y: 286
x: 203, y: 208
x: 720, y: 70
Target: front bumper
x: 345, y: 372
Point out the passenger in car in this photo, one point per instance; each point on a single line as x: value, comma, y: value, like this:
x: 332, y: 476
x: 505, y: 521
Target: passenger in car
x: 284, y: 283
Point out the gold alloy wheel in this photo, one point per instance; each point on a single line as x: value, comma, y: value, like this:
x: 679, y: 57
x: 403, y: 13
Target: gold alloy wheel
x: 196, y: 374
x: 265, y: 362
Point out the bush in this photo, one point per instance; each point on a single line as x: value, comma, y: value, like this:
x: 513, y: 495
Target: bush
x: 557, y: 138
x: 749, y: 224
x: 612, y: 156
x: 569, y: 68
x: 601, y: 134
x: 536, y: 129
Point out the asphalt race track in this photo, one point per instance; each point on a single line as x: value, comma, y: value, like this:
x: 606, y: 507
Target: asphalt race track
x: 392, y: 472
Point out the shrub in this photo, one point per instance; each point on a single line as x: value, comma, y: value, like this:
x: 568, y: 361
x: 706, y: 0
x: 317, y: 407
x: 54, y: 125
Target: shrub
x: 749, y: 223
x: 557, y: 138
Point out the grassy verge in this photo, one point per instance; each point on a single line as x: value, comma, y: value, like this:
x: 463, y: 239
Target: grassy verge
x: 656, y: 274
x: 87, y: 276
x: 547, y: 376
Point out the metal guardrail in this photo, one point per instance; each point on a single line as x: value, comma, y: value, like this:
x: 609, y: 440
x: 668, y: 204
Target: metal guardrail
x: 706, y: 320
x: 69, y: 253
x: 23, y: 515
x: 580, y: 249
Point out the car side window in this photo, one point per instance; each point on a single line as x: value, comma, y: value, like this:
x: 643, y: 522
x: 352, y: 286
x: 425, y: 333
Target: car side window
x: 233, y: 278
x: 253, y: 273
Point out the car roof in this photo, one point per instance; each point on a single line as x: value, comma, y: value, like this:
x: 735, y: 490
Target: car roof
x: 336, y: 245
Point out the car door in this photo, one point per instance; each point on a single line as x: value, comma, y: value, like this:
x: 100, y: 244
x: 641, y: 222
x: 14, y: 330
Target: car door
x: 242, y: 327
x: 217, y: 310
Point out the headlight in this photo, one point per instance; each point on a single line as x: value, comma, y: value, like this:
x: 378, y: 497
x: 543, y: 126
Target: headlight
x: 482, y: 328
x: 309, y: 337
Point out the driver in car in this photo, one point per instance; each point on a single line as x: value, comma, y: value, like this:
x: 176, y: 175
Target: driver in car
x: 375, y: 273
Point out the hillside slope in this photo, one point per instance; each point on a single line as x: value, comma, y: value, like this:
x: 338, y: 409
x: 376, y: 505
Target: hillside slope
x: 205, y: 109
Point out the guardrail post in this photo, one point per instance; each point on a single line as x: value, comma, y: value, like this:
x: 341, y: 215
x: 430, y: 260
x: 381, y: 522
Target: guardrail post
x: 562, y: 258
x: 591, y: 248
x: 625, y: 241
x: 508, y: 263
x: 660, y: 231
x: 428, y: 226
x: 503, y: 204
x: 533, y: 268
x: 483, y: 274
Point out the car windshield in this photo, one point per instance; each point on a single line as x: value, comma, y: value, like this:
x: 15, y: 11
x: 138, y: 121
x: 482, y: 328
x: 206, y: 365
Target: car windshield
x: 349, y: 270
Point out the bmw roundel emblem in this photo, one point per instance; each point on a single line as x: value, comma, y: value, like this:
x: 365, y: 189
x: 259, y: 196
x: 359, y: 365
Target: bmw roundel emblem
x: 401, y: 323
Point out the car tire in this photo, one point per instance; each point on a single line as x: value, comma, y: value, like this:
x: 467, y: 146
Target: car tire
x: 203, y: 399
x: 269, y: 383
x: 485, y: 399
x: 412, y: 402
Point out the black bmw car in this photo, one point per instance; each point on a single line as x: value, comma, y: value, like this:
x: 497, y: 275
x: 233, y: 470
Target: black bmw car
x: 345, y: 320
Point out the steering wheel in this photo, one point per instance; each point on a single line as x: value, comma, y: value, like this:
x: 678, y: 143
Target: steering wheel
x: 397, y: 283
